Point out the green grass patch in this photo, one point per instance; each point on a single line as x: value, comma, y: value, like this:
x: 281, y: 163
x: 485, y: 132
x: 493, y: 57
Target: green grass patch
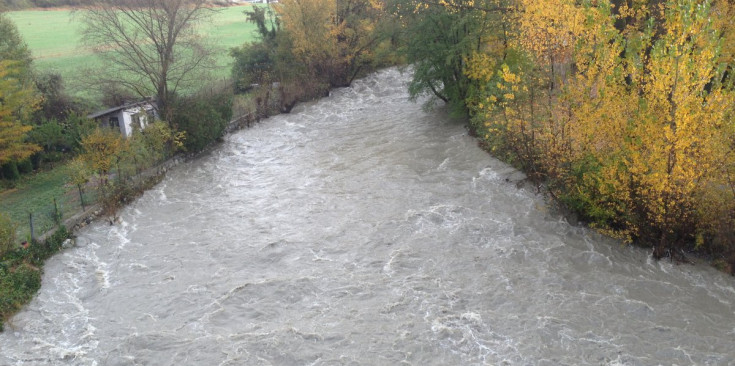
x: 35, y: 194
x: 54, y: 37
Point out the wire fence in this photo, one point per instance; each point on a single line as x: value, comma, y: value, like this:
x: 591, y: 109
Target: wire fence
x: 55, y: 211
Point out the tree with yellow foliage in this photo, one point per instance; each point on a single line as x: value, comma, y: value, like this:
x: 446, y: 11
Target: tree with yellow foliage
x: 101, y: 150
x: 683, y: 132
x: 16, y: 101
x: 633, y: 129
x: 333, y: 38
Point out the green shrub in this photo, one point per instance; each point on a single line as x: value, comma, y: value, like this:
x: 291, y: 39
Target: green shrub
x: 17, y: 287
x: 7, y: 235
x: 20, y: 276
x: 10, y: 171
x: 25, y: 166
x: 203, y: 118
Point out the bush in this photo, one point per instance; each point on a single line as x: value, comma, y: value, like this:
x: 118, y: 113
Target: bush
x: 20, y: 276
x: 25, y: 166
x: 17, y: 287
x: 7, y: 234
x: 203, y: 117
x: 10, y: 171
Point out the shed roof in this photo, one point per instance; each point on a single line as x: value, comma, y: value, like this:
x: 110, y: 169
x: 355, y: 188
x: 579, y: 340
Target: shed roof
x: 115, y: 109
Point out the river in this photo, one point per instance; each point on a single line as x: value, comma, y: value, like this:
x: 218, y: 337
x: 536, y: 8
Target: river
x: 362, y: 230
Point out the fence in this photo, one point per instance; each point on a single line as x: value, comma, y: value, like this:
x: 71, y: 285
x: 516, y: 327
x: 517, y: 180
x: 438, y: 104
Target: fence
x: 40, y: 214
x: 49, y: 217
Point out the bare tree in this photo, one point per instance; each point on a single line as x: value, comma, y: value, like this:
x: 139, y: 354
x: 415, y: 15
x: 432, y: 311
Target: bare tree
x: 148, y: 46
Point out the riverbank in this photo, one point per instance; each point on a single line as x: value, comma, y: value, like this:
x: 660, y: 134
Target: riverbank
x: 20, y: 272
x: 21, y: 268
x: 690, y: 251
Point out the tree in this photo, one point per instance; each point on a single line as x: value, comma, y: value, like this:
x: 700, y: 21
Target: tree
x: 149, y: 46
x: 685, y: 126
x: 12, y: 47
x: 101, y: 150
x: 16, y: 101
x: 56, y: 102
x: 625, y: 109
x: 334, y: 39
x: 442, y: 36
x: 202, y: 118
x: 17, y: 95
x: 79, y: 175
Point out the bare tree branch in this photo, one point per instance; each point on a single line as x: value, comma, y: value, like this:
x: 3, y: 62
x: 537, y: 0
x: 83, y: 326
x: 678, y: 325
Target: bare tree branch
x: 148, y: 46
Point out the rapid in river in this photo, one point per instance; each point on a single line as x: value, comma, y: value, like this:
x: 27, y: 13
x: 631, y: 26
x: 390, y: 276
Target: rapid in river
x: 362, y: 230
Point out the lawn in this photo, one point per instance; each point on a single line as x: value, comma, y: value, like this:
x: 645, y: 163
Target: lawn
x: 35, y: 194
x: 55, y: 41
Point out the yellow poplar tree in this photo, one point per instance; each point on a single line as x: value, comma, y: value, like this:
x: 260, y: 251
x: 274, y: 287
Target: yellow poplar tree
x: 583, y: 142
x: 679, y: 140
x: 549, y: 30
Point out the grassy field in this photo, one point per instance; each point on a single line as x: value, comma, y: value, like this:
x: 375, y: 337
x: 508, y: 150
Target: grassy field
x: 54, y: 39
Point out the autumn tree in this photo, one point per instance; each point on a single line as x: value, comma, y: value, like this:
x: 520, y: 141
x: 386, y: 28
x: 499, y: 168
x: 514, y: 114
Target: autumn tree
x: 334, y: 39
x: 79, y: 175
x: 17, y: 95
x: 101, y: 150
x: 684, y: 130
x: 149, y: 46
x: 625, y: 110
x: 15, y: 102
x: 18, y: 98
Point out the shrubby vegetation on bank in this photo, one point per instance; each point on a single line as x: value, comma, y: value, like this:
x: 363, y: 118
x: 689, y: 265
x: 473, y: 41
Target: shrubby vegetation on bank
x: 308, y: 47
x: 20, y: 273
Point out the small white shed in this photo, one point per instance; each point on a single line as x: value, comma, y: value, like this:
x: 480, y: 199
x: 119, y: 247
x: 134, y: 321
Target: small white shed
x: 126, y: 118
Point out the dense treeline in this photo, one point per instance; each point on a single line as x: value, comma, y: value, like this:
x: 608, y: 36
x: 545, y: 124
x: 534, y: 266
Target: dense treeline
x: 622, y: 108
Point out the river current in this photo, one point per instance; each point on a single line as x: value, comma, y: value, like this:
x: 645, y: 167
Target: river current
x: 362, y: 230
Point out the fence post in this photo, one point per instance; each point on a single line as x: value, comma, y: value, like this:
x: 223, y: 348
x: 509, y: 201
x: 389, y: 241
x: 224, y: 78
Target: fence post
x: 56, y: 212
x: 30, y: 220
x: 81, y: 196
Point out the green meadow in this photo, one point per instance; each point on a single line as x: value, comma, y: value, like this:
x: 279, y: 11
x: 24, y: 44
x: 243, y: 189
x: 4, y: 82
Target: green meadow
x: 55, y: 40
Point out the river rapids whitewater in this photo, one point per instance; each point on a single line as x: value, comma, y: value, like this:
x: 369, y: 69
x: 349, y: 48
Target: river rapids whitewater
x: 362, y: 230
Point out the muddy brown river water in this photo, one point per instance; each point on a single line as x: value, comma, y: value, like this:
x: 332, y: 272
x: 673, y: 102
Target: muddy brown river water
x: 362, y: 230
